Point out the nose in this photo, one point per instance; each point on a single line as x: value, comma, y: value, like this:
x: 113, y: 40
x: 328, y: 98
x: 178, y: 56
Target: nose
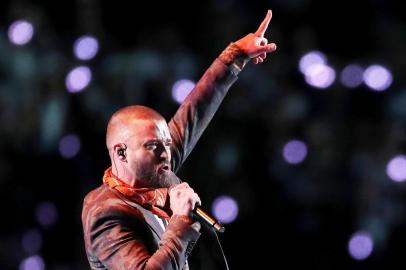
x: 164, y: 153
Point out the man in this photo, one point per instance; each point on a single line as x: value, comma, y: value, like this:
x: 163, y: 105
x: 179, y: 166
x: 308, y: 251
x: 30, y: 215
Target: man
x: 140, y: 218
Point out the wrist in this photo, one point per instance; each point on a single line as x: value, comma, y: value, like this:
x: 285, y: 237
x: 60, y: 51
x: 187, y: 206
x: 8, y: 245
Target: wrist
x: 234, y: 57
x: 183, y: 218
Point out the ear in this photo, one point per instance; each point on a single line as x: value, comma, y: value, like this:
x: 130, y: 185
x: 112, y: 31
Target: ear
x: 120, y: 149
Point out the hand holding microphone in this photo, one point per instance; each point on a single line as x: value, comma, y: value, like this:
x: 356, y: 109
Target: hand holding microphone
x: 184, y: 201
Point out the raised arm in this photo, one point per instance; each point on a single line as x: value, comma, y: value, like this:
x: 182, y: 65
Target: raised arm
x: 199, y: 107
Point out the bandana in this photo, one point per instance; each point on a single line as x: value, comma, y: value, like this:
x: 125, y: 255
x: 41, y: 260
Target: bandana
x: 154, y: 200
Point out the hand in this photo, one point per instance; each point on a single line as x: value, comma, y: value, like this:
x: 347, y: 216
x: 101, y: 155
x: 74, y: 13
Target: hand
x: 255, y: 45
x: 183, y: 199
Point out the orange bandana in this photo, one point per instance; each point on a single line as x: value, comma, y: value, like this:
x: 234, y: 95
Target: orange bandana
x: 152, y: 199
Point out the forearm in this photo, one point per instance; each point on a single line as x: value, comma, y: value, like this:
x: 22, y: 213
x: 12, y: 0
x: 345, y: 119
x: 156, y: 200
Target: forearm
x: 175, y: 246
x: 199, y: 107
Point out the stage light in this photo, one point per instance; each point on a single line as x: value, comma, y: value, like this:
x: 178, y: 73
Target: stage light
x: 396, y: 168
x: 46, y: 214
x: 181, y: 89
x: 320, y: 76
x: 352, y: 76
x: 20, y: 32
x: 360, y: 245
x: 294, y: 151
x: 86, y: 47
x: 32, y: 263
x: 69, y: 146
x: 32, y: 241
x: 225, y: 209
x: 78, y: 79
x: 311, y: 58
x: 377, y: 78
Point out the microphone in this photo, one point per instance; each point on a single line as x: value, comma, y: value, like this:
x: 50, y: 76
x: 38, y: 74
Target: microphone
x: 200, y: 215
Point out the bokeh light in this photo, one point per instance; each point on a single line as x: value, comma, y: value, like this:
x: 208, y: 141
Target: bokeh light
x: 69, y: 146
x: 377, y: 78
x: 294, y: 151
x: 225, y: 209
x: 360, y: 245
x: 32, y: 241
x: 396, y: 168
x: 46, y: 214
x: 181, y: 89
x: 86, y: 47
x: 352, y: 76
x: 20, y: 32
x: 320, y: 76
x: 32, y: 263
x: 311, y: 58
x: 78, y: 79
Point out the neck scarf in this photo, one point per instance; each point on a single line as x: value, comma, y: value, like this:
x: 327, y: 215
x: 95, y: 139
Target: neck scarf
x: 154, y: 200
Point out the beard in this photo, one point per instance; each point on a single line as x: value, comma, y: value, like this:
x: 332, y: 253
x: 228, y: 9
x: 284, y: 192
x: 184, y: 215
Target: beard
x: 154, y: 177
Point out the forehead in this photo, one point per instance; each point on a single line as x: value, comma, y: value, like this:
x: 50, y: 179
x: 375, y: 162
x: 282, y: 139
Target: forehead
x: 150, y: 129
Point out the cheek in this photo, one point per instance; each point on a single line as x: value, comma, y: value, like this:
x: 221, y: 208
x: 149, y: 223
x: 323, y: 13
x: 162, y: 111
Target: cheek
x: 143, y: 159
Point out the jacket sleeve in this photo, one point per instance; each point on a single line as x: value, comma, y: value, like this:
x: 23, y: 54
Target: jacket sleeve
x: 119, y: 243
x: 198, y: 109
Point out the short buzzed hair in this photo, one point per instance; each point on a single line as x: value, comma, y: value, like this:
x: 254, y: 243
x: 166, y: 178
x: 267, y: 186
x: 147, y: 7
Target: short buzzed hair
x: 118, y: 127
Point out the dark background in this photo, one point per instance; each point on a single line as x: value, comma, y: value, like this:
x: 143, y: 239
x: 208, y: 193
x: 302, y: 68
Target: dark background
x: 289, y: 215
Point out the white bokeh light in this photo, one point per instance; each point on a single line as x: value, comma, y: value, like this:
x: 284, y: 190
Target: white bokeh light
x: 20, y: 32
x: 311, y: 58
x: 225, y: 209
x: 352, y: 76
x: 320, y: 76
x: 396, y: 168
x: 86, y: 47
x: 78, y: 79
x: 377, y: 78
x: 294, y: 151
x: 360, y: 245
x: 181, y: 89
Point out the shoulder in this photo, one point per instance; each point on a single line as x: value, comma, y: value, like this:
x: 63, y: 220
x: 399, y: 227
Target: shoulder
x: 102, y: 203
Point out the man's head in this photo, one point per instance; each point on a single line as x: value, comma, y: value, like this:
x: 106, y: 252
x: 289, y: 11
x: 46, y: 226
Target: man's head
x: 138, y: 141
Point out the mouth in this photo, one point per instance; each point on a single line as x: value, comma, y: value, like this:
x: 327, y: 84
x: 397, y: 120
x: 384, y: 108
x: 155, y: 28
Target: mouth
x: 165, y: 168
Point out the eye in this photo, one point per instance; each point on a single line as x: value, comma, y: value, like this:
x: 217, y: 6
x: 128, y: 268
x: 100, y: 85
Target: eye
x: 151, y: 146
x: 168, y: 143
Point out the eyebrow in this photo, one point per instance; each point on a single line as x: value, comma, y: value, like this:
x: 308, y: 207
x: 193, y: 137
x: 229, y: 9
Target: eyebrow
x: 152, y: 140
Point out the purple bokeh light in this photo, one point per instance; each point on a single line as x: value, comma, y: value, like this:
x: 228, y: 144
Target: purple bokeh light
x: 69, y: 146
x: 360, y: 245
x: 294, y: 151
x: 20, y: 32
x: 86, y: 47
x: 181, y: 89
x: 352, y: 76
x: 396, y: 168
x: 32, y: 263
x: 225, y: 209
x: 46, y: 214
x: 377, y: 78
x: 78, y: 79
x: 311, y: 58
x: 320, y: 75
x: 32, y: 241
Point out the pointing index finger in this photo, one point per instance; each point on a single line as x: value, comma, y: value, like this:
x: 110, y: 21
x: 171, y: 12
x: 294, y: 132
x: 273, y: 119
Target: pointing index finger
x: 264, y: 25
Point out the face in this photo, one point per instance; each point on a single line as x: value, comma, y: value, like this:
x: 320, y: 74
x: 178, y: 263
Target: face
x: 148, y: 153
